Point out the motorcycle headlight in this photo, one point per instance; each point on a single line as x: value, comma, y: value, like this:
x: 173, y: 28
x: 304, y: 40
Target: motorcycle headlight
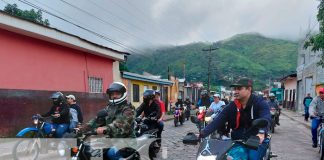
x: 207, y: 119
x: 35, y: 121
x: 201, y: 157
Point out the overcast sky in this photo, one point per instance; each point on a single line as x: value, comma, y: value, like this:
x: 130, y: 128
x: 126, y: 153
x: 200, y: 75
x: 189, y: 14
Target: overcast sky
x: 135, y: 24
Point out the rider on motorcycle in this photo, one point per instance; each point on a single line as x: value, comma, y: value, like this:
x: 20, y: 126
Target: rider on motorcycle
x: 60, y: 114
x: 216, y: 106
x: 240, y: 114
x: 119, y: 118
x: 162, y: 108
x: 149, y: 106
x: 316, y: 108
x: 188, y: 107
x: 179, y: 104
x: 274, y: 104
x: 205, y: 99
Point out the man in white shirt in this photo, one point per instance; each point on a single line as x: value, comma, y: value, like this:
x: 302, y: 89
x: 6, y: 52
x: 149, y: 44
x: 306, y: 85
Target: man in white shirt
x: 216, y: 106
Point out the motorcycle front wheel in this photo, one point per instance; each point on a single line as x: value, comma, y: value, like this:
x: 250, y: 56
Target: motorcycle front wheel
x: 26, y: 149
x: 322, y: 147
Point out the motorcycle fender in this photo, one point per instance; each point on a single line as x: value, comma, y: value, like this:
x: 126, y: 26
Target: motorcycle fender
x: 24, y: 131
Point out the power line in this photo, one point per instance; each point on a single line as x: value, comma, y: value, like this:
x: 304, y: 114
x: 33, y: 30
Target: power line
x: 122, y: 19
x: 143, y: 15
x: 106, y: 22
x: 73, y: 19
x: 140, y: 52
x: 83, y: 28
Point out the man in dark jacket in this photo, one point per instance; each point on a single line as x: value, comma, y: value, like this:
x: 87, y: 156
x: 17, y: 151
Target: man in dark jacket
x: 307, y: 100
x: 149, y: 106
x: 240, y: 114
x: 60, y: 114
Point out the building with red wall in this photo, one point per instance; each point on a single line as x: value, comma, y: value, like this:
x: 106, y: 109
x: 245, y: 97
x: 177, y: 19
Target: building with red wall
x: 36, y: 61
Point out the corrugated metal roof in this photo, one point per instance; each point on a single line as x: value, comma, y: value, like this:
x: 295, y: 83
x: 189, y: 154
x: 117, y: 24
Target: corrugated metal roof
x: 134, y: 76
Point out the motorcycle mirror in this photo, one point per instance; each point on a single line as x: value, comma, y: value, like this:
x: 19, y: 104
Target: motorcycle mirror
x: 260, y: 123
x: 194, y: 119
x: 253, y: 142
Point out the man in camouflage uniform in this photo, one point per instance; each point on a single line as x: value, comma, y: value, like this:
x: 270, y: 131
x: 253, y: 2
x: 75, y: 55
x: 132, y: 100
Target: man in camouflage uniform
x: 116, y: 120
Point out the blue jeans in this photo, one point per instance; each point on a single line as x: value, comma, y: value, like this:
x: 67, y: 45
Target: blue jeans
x: 315, y: 124
x: 241, y: 152
x: 60, y: 129
x: 73, y: 125
x: 306, y: 112
x: 160, y: 127
x: 260, y: 153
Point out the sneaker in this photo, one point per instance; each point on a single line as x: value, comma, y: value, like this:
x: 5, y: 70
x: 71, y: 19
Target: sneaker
x: 278, y: 123
x: 314, y: 145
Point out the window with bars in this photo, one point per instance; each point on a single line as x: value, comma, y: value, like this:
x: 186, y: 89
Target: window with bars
x: 135, y: 93
x: 95, y: 84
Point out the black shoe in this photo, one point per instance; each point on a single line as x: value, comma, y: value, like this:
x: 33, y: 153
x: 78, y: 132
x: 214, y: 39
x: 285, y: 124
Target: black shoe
x: 278, y: 123
x: 314, y: 145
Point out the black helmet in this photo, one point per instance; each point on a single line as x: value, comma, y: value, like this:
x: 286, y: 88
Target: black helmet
x: 149, y: 94
x: 57, y: 98
x: 117, y: 87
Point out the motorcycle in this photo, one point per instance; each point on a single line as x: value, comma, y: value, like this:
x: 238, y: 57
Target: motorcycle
x: 201, y: 114
x: 144, y: 144
x: 221, y: 149
x: 274, y: 115
x: 147, y: 127
x: 187, y: 111
x: 30, y: 145
x: 178, y: 116
x: 320, y: 136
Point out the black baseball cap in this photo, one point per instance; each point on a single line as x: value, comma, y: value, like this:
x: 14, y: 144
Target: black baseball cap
x: 243, y: 82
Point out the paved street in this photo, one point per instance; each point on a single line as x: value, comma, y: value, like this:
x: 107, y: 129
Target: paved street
x: 292, y: 141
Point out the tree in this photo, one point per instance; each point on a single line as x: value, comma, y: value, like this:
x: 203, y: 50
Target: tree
x: 316, y: 42
x: 30, y: 15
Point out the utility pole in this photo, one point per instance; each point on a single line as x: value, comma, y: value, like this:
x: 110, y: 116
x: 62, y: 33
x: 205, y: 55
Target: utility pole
x: 209, y: 63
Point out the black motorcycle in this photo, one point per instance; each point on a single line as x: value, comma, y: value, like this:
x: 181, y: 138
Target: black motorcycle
x: 219, y: 149
x: 147, y: 127
x: 274, y: 115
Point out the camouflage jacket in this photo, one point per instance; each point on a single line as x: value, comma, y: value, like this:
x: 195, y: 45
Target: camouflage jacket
x: 119, y: 122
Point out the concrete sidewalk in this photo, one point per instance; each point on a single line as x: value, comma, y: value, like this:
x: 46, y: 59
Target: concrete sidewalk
x: 295, y: 116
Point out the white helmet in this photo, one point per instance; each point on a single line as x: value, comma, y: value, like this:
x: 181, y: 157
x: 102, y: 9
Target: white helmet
x: 117, y: 87
x: 271, y: 95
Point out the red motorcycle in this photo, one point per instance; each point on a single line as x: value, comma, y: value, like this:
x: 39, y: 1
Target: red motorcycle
x: 201, y: 114
x: 178, y: 116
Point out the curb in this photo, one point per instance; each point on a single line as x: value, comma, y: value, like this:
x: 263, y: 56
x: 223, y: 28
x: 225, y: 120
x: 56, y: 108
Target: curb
x: 307, y: 125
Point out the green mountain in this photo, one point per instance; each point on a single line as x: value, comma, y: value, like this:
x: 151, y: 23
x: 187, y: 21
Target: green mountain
x: 247, y: 55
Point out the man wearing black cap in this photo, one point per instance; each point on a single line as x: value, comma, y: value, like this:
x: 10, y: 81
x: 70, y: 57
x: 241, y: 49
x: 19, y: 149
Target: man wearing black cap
x: 240, y: 113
